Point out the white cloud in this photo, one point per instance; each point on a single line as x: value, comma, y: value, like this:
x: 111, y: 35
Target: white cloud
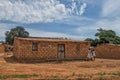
x: 82, y: 9
x: 32, y: 11
x: 38, y: 33
x: 111, y: 8
x: 87, y: 31
x: 75, y: 8
x: 90, y: 30
x: 111, y: 20
x: 110, y: 24
x: 76, y: 21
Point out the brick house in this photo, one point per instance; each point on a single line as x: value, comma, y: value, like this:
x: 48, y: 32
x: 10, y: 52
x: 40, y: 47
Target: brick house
x: 49, y: 48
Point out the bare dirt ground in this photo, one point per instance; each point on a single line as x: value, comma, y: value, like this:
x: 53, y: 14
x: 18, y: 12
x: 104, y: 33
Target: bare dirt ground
x: 101, y: 69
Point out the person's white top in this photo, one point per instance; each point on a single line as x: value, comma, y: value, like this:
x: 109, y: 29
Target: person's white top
x: 89, y: 54
x: 94, y: 53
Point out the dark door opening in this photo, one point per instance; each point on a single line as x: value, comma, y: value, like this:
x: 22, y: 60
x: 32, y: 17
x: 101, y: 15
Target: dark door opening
x: 61, y: 51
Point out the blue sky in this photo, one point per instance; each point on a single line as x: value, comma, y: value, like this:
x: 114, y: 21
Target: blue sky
x: 76, y: 19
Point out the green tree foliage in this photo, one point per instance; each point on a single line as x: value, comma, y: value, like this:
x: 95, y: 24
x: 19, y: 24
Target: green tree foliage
x: 15, y: 32
x: 94, y: 42
x: 104, y: 36
x: 116, y: 40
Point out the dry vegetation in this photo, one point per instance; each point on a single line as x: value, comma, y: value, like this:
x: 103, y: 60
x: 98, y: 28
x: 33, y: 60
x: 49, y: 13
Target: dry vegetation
x: 101, y: 69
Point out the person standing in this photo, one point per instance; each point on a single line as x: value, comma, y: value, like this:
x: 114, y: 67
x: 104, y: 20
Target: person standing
x: 89, y: 54
x: 94, y: 54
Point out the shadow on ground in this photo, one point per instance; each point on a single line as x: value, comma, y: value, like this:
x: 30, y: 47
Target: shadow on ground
x: 10, y: 59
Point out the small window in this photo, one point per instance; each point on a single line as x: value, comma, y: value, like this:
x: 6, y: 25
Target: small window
x: 78, y: 48
x: 34, y: 46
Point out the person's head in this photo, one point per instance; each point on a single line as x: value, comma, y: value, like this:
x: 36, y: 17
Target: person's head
x: 89, y: 49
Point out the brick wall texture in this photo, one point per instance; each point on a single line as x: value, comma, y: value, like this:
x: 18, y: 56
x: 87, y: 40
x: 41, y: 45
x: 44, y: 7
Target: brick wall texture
x: 2, y: 48
x: 108, y: 51
x: 48, y: 49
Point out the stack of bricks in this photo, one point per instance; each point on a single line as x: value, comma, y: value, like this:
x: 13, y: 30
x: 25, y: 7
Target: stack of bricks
x: 108, y: 51
x: 2, y: 49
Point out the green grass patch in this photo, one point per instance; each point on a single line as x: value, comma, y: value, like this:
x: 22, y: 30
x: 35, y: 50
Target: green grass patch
x: 2, y: 77
x: 101, y: 73
x: 55, y: 77
x: 101, y: 78
x: 115, y: 73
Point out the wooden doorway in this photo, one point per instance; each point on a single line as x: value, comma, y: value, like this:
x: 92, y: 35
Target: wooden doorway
x: 61, y: 51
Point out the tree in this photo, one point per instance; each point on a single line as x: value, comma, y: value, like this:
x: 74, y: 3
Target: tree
x: 90, y: 40
x: 15, y: 32
x: 106, y: 36
x: 94, y: 42
x: 116, y: 40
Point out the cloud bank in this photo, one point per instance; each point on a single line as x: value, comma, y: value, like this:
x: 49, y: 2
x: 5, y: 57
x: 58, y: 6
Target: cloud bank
x: 39, y: 33
x: 90, y: 30
x: 111, y: 8
x: 33, y: 11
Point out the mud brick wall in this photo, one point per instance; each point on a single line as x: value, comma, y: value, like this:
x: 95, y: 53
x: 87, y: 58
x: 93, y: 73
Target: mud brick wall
x: 108, y: 51
x: 77, y: 49
x: 23, y: 50
x: 2, y: 49
x: 48, y: 49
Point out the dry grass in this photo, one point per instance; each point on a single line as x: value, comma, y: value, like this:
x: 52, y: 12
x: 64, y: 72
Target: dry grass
x: 101, y: 69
